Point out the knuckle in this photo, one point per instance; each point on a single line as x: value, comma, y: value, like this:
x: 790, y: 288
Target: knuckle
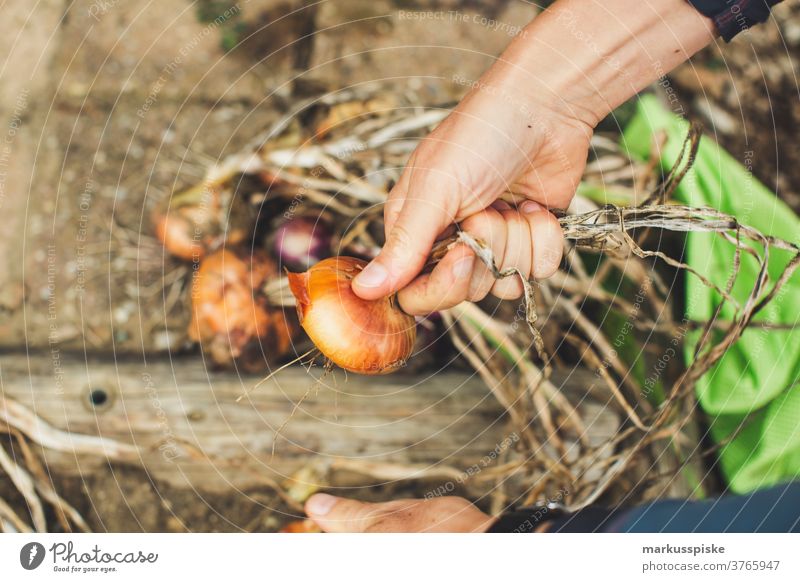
x: 478, y: 224
x: 515, y: 221
x: 441, y: 297
x: 548, y: 245
x: 528, y: 187
x: 427, y: 186
x: 558, y: 196
x: 391, y: 208
x: 400, y: 237
x: 485, y: 224
x: 430, y: 293
x: 488, y: 225
x: 401, y: 251
x: 507, y: 289
x: 414, y: 299
x: 557, y: 193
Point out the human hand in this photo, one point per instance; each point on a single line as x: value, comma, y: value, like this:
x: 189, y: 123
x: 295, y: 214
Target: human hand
x: 485, y: 148
x: 525, y: 127
x: 441, y: 514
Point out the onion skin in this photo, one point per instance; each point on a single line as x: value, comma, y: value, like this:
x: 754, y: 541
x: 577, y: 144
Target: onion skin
x: 190, y: 226
x: 365, y: 337
x: 301, y: 242
x: 230, y: 319
x: 175, y: 233
x: 301, y: 526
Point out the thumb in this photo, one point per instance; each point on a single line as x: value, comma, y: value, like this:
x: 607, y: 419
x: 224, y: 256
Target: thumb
x: 407, y: 247
x: 339, y: 515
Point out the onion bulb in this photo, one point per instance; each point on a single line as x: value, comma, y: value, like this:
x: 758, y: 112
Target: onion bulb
x: 175, y: 232
x: 230, y: 316
x: 301, y: 242
x: 366, y: 337
x: 195, y: 222
x: 300, y: 526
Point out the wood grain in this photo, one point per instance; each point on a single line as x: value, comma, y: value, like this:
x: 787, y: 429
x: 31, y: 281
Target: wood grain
x: 189, y: 431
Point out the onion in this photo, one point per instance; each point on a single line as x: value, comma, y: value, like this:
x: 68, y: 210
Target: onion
x: 230, y: 316
x: 195, y: 222
x: 176, y: 234
x: 300, y: 526
x: 301, y: 242
x: 366, y: 337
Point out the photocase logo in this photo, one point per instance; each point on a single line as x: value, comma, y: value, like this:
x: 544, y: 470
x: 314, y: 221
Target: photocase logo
x: 31, y: 555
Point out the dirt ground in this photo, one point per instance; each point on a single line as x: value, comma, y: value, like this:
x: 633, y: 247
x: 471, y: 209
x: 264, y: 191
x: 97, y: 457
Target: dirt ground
x: 125, y: 499
x: 109, y: 106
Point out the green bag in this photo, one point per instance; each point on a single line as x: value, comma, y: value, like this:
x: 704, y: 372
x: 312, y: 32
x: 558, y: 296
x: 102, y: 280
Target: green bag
x: 754, y: 388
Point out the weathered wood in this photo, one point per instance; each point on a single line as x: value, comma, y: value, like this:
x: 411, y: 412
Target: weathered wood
x: 191, y: 432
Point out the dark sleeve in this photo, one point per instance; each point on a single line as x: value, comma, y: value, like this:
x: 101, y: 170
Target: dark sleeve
x: 529, y: 520
x: 775, y: 510
x: 770, y: 510
x: 587, y: 520
x: 734, y: 16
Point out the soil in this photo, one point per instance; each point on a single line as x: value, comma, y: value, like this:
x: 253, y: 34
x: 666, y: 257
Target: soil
x: 126, y: 499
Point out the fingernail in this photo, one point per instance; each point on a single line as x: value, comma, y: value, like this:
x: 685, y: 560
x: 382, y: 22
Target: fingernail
x: 321, y: 504
x: 529, y: 207
x: 463, y: 267
x: 373, y: 275
x: 501, y: 205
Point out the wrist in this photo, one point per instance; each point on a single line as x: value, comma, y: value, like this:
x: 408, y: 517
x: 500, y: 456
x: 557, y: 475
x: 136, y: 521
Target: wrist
x: 583, y: 59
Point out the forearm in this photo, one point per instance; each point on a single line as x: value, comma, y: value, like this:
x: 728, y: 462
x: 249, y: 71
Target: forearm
x: 586, y: 57
x: 526, y: 128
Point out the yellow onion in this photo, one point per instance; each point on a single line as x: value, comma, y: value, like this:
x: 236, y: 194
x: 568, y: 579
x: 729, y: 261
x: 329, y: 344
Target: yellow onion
x: 366, y: 337
x: 175, y: 232
x: 197, y: 221
x: 300, y: 526
x: 230, y: 316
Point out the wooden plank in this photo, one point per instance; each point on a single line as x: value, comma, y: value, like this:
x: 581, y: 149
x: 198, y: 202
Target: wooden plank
x: 191, y: 431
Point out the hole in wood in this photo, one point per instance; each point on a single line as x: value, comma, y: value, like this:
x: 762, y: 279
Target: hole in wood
x: 98, y: 397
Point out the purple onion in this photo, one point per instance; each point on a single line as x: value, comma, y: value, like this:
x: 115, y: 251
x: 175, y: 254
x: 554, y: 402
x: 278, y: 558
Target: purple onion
x: 301, y: 242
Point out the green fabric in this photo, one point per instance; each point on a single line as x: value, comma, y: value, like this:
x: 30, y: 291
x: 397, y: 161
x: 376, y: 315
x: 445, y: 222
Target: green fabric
x: 754, y: 387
